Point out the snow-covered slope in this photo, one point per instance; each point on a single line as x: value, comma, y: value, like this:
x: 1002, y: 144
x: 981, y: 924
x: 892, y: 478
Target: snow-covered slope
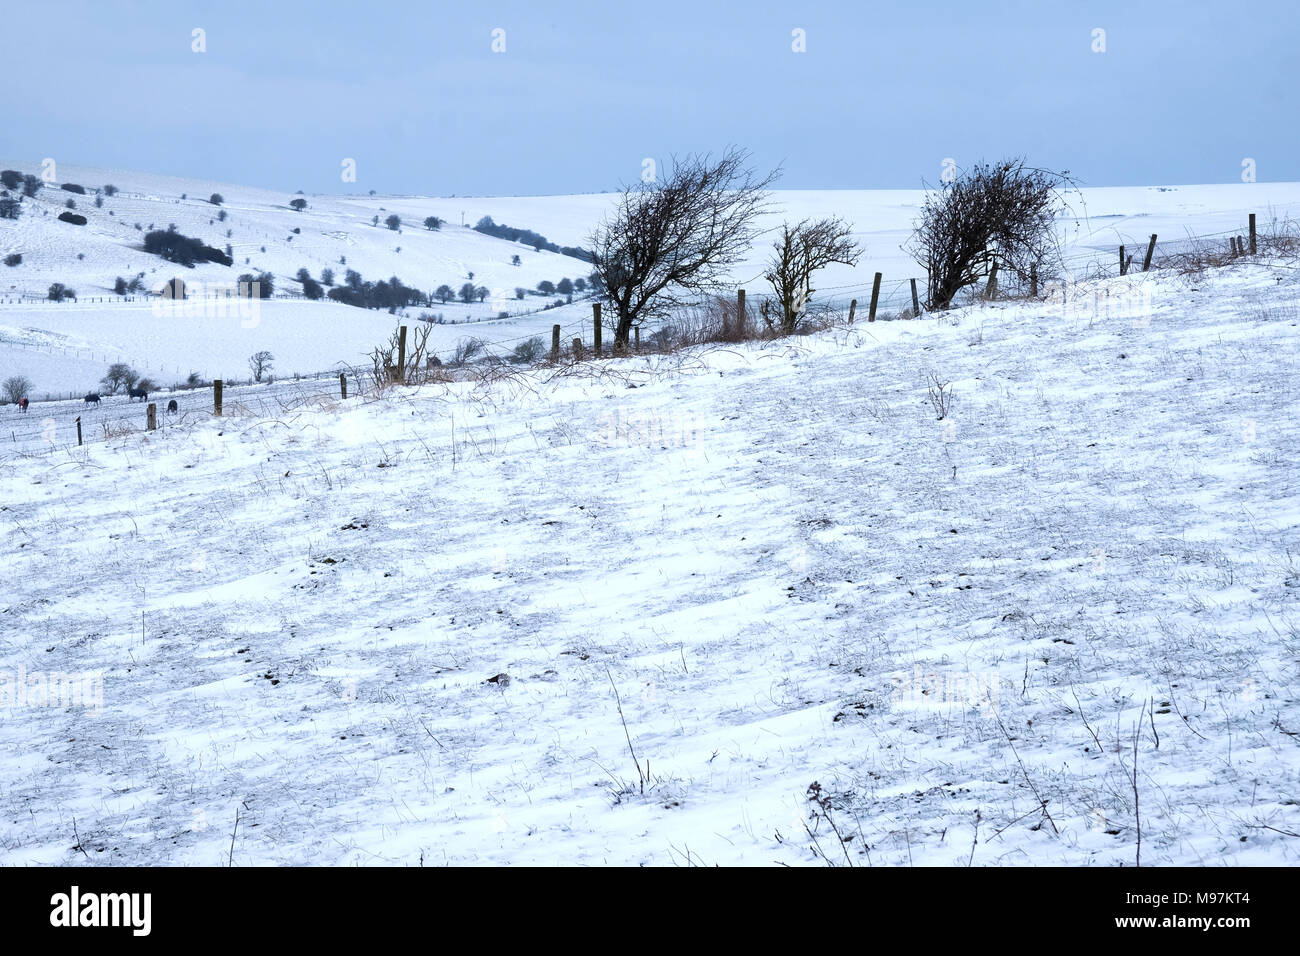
x: 423, y: 627
x: 64, y: 349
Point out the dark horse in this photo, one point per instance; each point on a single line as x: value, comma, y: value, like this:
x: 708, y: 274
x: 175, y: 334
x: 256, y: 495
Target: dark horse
x: 171, y: 407
x: 91, y: 398
x: 140, y: 393
x: 22, y: 404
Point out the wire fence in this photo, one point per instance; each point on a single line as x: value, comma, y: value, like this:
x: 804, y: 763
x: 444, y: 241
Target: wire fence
x: 1095, y: 261
x: 895, y: 297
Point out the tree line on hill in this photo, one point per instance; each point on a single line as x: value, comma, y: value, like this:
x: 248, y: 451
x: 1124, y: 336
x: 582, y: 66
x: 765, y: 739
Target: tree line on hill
x: 528, y: 237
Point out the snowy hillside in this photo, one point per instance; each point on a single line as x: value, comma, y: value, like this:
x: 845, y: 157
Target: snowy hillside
x: 65, y: 348
x: 706, y: 608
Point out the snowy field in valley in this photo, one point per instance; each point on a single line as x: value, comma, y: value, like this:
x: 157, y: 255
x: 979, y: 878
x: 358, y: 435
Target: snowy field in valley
x: 433, y: 625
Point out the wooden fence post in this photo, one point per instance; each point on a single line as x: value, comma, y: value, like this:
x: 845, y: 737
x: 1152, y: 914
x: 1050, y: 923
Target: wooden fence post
x: 916, y: 302
x: 555, y: 344
x: 853, y: 307
x: 401, y: 354
x: 1123, y: 266
x: 78, y: 430
x: 991, y: 290
x: 875, y: 297
x: 216, y: 397
x: 1241, y: 246
x: 151, y: 418
x: 1151, y: 248
x: 1252, y: 234
x: 343, y: 385
x: 1033, y: 281
x: 577, y: 349
x: 595, y: 323
x: 740, y: 315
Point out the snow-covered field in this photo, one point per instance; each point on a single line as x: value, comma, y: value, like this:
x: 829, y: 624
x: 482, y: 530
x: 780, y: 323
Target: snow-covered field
x: 65, y: 349
x: 432, y: 625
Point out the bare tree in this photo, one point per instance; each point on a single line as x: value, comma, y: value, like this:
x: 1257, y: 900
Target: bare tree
x: 800, y: 251
x: 119, y: 374
x: 1004, y: 213
x: 259, y: 363
x: 674, y: 238
x: 16, y: 387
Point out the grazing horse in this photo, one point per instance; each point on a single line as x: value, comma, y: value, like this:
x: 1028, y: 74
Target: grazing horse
x: 91, y: 398
x: 22, y: 404
x: 172, y: 407
x: 140, y: 393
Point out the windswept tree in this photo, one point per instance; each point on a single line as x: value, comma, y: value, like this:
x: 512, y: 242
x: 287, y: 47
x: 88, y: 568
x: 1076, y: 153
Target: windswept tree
x: 393, y: 222
x: 1004, y: 213
x: 432, y: 223
x: 298, y: 205
x: 443, y: 292
x: 798, y: 252
x: 467, y: 293
x: 676, y: 237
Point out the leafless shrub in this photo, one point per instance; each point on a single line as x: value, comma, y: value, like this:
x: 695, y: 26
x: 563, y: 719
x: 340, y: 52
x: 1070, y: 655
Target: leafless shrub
x: 467, y: 350
x: 117, y: 429
x: 1004, y: 213
x: 940, y: 393
x: 422, y: 366
x: 1195, y: 255
x: 1278, y: 238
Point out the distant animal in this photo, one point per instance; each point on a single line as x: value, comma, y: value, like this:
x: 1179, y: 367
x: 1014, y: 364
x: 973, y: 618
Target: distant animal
x: 140, y: 393
x: 22, y: 404
x: 172, y: 407
x: 91, y: 399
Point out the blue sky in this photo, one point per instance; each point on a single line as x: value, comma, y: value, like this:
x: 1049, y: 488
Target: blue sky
x: 585, y: 91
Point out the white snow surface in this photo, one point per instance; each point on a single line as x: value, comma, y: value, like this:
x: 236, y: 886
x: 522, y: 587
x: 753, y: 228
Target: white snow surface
x: 1063, y: 614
